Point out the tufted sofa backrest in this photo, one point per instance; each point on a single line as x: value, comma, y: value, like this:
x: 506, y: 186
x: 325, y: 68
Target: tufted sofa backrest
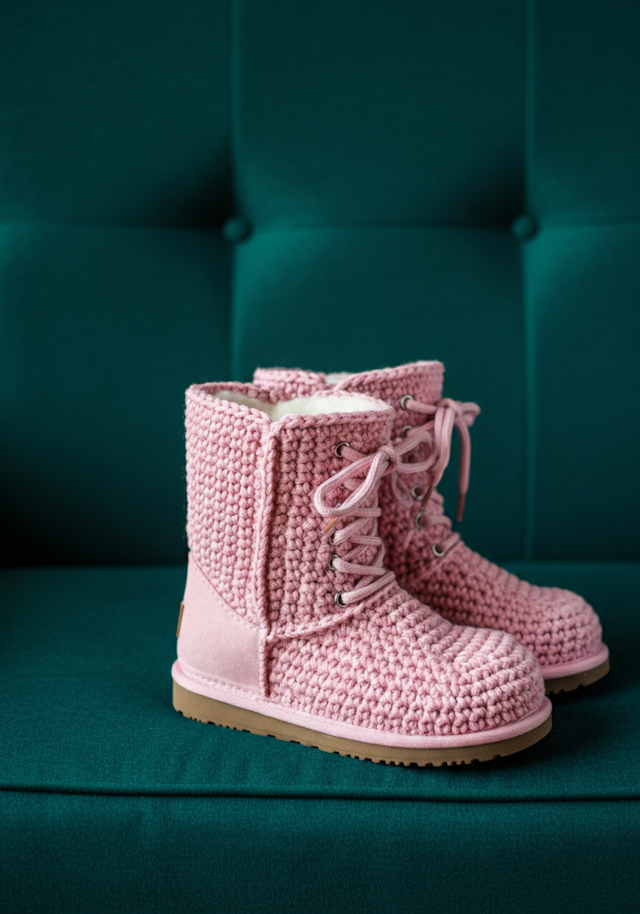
x: 188, y: 190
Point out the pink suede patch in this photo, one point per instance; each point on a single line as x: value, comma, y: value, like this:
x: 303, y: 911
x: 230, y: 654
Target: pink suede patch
x: 214, y: 639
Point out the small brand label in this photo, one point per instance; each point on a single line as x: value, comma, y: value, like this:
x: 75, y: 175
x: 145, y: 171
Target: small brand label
x: 179, y: 620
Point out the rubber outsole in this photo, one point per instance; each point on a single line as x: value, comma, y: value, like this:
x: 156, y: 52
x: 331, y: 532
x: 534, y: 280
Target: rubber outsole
x: 209, y: 711
x: 569, y: 683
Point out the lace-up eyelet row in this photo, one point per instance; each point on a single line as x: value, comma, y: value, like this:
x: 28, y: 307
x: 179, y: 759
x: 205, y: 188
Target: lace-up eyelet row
x: 361, y: 511
x: 332, y: 567
x: 438, y: 422
x: 337, y: 450
x: 438, y: 553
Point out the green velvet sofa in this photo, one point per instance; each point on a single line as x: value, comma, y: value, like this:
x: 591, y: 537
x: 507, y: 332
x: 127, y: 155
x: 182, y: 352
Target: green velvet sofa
x: 190, y: 189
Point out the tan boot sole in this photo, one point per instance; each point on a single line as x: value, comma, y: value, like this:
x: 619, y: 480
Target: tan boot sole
x: 569, y: 683
x: 210, y: 711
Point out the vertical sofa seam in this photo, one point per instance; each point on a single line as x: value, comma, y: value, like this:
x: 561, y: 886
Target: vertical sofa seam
x: 528, y: 317
x: 234, y: 91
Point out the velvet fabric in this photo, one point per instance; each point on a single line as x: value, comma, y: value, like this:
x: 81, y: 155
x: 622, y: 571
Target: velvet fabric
x: 149, y: 855
x: 189, y: 190
x: 111, y: 801
x: 86, y: 659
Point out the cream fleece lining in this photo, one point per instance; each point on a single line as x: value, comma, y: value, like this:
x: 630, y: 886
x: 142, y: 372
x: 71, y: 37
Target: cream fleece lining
x: 302, y: 406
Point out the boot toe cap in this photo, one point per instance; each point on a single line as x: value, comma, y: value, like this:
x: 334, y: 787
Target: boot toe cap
x: 564, y: 627
x: 500, y: 682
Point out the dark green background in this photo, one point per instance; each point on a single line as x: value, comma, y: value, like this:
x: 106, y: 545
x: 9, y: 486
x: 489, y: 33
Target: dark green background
x: 190, y: 189
x: 377, y: 156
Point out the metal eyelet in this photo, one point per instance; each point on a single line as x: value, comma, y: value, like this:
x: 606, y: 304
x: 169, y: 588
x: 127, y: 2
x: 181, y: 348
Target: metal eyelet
x: 332, y: 562
x: 436, y: 552
x: 419, y: 517
x: 337, y: 450
x: 338, y: 599
x: 417, y: 492
x: 403, y: 400
x: 405, y: 431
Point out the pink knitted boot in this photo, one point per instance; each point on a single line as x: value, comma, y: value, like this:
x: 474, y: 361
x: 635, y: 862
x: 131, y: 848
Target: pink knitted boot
x: 291, y: 625
x: 430, y: 561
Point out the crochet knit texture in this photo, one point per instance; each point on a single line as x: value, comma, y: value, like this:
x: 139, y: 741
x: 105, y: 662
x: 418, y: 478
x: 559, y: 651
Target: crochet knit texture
x: 556, y: 625
x: 255, y: 530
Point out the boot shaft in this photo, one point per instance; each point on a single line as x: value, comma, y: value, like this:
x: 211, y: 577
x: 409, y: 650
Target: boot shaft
x: 406, y: 540
x: 254, y: 464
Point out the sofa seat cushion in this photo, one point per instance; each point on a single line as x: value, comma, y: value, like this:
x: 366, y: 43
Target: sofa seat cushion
x: 87, y: 705
x: 112, y: 802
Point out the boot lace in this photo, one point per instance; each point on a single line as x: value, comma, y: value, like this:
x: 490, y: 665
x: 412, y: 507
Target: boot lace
x: 441, y: 419
x: 362, y: 478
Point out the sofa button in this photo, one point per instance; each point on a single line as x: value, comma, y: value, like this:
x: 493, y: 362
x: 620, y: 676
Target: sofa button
x: 523, y: 228
x: 236, y: 229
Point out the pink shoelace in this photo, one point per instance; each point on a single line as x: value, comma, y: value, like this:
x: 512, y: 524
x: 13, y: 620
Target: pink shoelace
x: 441, y: 419
x: 362, y: 506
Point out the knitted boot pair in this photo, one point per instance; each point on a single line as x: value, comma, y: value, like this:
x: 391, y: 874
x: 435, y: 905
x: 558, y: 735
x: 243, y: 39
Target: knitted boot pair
x: 293, y: 622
